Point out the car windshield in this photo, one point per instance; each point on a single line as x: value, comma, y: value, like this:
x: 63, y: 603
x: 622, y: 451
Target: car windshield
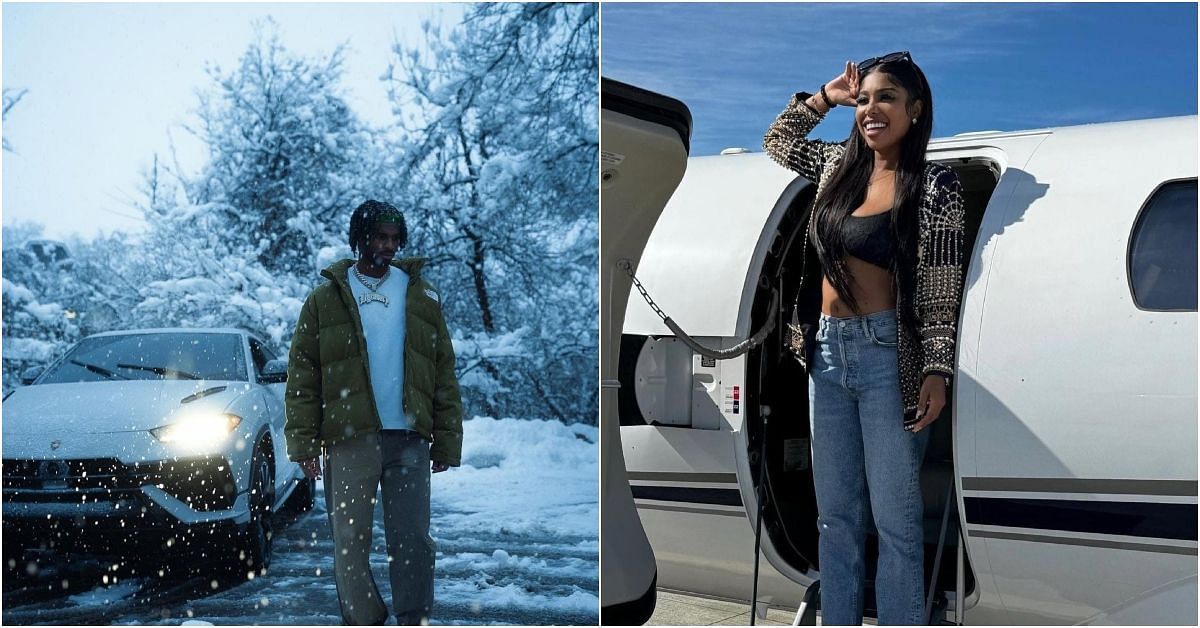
x: 151, y: 356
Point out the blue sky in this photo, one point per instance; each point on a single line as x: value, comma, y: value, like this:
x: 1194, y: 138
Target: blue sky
x: 111, y: 84
x: 990, y: 66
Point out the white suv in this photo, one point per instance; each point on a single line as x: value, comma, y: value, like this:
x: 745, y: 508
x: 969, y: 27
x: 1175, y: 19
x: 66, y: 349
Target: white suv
x: 166, y: 439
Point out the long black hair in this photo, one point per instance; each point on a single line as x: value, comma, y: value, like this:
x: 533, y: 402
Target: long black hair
x: 847, y: 190
x: 368, y: 215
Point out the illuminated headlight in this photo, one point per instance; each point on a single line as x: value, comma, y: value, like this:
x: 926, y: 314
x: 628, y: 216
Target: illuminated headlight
x: 198, y: 430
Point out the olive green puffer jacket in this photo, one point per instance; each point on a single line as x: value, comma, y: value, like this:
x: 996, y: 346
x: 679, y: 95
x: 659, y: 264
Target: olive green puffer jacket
x: 329, y: 395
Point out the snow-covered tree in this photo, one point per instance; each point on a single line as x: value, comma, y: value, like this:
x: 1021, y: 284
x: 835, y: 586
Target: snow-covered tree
x: 38, y: 320
x: 11, y: 98
x: 57, y: 292
x: 492, y: 158
x: 499, y: 162
x: 285, y: 154
x: 238, y: 243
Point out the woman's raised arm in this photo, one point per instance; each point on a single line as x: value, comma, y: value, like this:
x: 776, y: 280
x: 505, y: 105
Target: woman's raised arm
x: 787, y: 140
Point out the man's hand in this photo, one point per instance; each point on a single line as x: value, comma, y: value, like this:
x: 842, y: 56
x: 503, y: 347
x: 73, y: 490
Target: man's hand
x: 931, y: 400
x: 438, y: 467
x: 311, y: 467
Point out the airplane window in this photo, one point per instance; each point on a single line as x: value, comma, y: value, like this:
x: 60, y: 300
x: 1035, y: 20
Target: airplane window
x: 1162, y: 252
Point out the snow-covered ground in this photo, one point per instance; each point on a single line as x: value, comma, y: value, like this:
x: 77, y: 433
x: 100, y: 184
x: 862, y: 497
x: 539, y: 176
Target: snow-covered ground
x: 515, y: 525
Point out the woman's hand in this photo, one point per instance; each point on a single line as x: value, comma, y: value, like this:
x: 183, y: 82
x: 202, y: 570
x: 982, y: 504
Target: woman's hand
x: 931, y: 400
x: 843, y: 90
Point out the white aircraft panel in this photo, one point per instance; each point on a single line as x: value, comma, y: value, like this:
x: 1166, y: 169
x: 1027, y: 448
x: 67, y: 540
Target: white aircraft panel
x: 1068, y: 584
x: 697, y: 258
x: 1074, y: 380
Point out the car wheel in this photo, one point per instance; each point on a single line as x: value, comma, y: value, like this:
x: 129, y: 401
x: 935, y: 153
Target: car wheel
x: 254, y: 554
x: 304, y: 496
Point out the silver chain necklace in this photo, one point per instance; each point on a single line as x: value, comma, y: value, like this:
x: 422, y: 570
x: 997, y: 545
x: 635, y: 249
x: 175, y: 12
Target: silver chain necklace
x: 373, y: 293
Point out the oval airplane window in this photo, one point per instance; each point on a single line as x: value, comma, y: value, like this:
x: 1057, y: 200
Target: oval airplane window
x: 1162, y: 250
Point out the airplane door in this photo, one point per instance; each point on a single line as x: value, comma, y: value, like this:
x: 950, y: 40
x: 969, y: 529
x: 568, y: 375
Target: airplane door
x: 644, y: 142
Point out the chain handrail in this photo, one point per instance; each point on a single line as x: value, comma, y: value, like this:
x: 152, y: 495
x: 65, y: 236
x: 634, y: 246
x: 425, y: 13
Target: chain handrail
x: 717, y: 354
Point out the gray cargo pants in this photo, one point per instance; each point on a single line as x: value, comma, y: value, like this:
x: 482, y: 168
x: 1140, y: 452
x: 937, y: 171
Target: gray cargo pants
x: 354, y: 470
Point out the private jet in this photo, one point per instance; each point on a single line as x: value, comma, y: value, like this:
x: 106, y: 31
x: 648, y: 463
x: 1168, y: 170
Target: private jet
x: 1060, y: 483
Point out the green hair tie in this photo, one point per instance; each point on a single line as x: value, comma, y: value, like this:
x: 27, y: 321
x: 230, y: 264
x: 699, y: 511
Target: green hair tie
x: 390, y: 216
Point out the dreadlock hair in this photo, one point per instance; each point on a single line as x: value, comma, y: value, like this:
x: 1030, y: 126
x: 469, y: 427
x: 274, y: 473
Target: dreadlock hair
x: 367, y: 217
x: 847, y: 189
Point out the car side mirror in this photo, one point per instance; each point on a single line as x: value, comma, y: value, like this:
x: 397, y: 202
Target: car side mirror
x: 275, y: 372
x: 30, y: 374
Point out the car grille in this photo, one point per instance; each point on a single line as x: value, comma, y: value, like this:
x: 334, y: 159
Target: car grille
x: 204, y: 483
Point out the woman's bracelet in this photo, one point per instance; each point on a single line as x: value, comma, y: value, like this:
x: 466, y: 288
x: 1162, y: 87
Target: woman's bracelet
x: 825, y: 97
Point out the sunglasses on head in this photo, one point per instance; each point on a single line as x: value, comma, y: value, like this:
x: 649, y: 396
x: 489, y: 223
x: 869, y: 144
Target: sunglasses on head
x: 888, y: 58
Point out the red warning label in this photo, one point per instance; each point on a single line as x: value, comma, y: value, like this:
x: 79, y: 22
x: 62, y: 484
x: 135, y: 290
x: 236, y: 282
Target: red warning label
x: 733, y: 399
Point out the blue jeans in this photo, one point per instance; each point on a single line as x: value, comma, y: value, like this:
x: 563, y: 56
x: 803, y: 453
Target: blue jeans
x: 865, y: 462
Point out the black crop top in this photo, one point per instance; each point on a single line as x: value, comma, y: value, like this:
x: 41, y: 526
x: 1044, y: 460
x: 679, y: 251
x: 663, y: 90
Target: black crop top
x: 868, y: 238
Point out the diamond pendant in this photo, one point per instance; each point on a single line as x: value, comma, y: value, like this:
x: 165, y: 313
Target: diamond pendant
x: 373, y: 296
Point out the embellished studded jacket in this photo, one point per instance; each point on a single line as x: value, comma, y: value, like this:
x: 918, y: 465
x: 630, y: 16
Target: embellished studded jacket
x: 940, y: 255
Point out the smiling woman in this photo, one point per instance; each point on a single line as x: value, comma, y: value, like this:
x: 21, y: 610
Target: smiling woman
x: 885, y: 332
x: 912, y: 261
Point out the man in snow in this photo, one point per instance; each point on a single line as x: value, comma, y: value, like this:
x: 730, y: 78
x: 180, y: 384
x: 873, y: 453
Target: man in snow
x: 371, y: 381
